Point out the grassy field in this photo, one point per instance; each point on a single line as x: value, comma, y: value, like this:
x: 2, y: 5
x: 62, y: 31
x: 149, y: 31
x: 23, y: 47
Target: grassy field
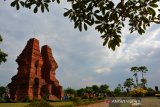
x: 150, y: 102
x: 13, y: 104
x: 24, y: 104
x: 145, y: 102
x: 61, y: 103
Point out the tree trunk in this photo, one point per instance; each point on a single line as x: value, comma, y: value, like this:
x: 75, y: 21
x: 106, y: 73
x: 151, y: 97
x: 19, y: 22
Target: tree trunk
x: 142, y: 75
x: 137, y: 80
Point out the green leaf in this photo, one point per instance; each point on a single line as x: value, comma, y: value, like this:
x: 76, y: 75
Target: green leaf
x: 22, y: 3
x: 46, y: 6
x: 17, y: 6
x: 97, y: 22
x: 106, y: 16
x: 145, y: 19
x: 97, y: 11
x: 122, y: 24
x: 58, y: 1
x: 42, y: 8
x: 80, y: 26
x: 153, y: 1
x: 75, y: 6
x: 67, y: 13
x: 105, y: 41
x: 1, y: 38
x: 141, y: 31
x: 113, y: 47
x: 13, y: 3
x: 85, y: 26
x: 103, y: 36
x: 47, y: 1
x: 103, y: 10
x: 111, y: 4
x: 98, y: 27
x: 89, y: 23
x: 153, y: 5
x: 28, y: 5
x: 92, y: 21
x: 151, y: 11
x: 76, y: 24
x: 89, y: 7
x: 99, y: 17
x: 35, y: 9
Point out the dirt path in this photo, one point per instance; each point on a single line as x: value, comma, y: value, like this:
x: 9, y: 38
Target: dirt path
x: 101, y: 104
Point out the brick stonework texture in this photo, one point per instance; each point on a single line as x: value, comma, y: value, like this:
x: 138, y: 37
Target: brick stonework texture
x: 35, y: 78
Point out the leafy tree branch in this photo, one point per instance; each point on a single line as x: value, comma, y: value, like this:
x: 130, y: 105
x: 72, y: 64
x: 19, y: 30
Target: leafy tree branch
x: 108, y: 17
x: 2, y: 54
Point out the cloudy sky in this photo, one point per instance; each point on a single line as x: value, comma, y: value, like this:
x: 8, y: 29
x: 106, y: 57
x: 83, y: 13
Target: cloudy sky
x: 82, y: 59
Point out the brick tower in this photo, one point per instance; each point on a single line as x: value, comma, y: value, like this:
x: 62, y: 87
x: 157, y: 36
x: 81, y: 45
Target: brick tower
x: 36, y: 74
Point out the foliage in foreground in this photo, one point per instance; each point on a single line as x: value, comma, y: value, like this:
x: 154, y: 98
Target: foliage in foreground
x: 157, y: 95
x: 79, y: 101
x: 39, y: 103
x: 44, y: 103
x: 107, y: 16
x: 138, y: 92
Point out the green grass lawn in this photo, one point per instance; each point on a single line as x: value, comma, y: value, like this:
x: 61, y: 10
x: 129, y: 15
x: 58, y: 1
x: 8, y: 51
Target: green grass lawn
x: 146, y: 102
x: 24, y: 104
x: 61, y: 103
x: 13, y: 104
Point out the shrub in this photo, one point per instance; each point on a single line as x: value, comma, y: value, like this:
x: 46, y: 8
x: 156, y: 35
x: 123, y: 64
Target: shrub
x: 100, y: 98
x: 157, y: 95
x: 39, y: 103
x: 2, y: 100
x: 139, y: 92
x: 110, y: 94
x: 77, y: 101
x: 150, y: 92
x: 26, y: 99
x: 45, y: 97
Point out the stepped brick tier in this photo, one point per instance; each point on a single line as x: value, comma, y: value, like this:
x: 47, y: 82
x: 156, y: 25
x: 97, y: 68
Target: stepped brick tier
x: 36, y: 74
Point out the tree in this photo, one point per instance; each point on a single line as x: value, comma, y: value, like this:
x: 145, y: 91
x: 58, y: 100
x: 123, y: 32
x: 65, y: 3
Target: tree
x: 118, y: 90
x: 143, y: 82
x: 120, y: 86
x: 135, y: 71
x: 89, y: 90
x: 70, y: 91
x: 143, y: 69
x: 2, y: 90
x: 104, y: 89
x: 95, y: 89
x: 129, y: 83
x: 108, y: 17
x: 2, y: 54
x: 80, y: 92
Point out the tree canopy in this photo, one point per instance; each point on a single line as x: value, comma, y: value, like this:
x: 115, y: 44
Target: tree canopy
x: 107, y: 16
x: 2, y: 90
x: 129, y: 83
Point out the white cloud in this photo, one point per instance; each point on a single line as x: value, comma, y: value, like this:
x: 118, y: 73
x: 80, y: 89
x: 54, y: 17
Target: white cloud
x: 103, y: 70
